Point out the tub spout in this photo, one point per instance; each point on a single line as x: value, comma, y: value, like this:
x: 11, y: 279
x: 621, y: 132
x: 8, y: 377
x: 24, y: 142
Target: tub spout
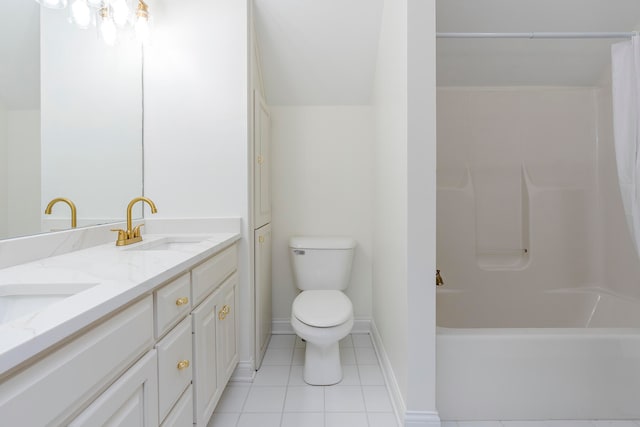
x: 439, y: 281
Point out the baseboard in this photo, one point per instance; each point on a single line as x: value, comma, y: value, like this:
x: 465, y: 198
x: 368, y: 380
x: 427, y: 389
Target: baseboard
x: 244, y: 372
x: 421, y: 419
x: 283, y: 327
x: 399, y: 407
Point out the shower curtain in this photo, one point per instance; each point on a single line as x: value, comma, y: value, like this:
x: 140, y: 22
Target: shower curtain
x: 625, y: 69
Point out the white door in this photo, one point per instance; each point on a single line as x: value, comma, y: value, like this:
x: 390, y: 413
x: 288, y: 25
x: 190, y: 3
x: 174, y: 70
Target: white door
x: 262, y: 163
x: 262, y: 271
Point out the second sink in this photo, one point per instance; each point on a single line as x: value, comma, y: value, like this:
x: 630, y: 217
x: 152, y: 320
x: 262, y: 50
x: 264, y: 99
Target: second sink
x: 21, y: 299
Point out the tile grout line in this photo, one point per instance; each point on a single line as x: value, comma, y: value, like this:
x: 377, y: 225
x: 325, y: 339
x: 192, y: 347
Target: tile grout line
x: 286, y: 389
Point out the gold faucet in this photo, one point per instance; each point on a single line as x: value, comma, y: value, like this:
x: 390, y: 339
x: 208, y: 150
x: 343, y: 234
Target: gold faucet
x: 439, y: 281
x: 131, y: 234
x: 74, y: 215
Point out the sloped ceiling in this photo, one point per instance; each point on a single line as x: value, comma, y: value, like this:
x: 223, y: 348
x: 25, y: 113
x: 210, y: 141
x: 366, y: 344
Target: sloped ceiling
x: 19, y: 54
x: 318, y: 52
x: 506, y: 62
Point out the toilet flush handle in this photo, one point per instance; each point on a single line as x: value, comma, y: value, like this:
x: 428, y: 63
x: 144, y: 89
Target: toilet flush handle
x: 298, y: 251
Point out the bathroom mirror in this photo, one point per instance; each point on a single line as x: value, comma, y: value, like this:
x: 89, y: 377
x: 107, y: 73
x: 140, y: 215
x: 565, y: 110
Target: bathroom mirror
x: 70, y: 121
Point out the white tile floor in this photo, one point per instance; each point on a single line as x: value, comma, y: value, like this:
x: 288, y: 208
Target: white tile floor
x: 279, y: 397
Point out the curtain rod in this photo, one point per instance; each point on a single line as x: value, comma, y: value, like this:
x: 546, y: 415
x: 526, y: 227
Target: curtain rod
x: 536, y: 35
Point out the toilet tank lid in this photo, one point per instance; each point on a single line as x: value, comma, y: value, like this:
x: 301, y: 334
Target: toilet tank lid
x: 307, y: 242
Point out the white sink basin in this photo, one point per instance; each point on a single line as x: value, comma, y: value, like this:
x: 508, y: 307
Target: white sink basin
x: 172, y: 243
x: 17, y: 300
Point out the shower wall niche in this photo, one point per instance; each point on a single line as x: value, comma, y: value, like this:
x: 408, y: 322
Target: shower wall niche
x: 517, y: 187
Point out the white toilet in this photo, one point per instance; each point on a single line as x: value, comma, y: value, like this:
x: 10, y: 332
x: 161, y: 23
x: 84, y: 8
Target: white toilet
x: 322, y: 314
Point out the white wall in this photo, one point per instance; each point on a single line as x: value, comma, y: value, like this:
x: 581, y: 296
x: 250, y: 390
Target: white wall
x: 421, y: 213
x: 404, y: 205
x: 196, y: 111
x: 4, y: 147
x: 389, y: 302
x: 322, y: 180
x: 23, y: 195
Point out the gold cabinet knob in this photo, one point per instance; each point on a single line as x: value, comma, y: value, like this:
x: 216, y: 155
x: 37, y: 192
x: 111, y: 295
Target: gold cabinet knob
x: 222, y: 314
x: 183, y: 364
x: 182, y: 301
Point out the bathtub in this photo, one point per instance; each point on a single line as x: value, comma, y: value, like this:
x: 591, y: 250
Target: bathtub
x: 561, y: 354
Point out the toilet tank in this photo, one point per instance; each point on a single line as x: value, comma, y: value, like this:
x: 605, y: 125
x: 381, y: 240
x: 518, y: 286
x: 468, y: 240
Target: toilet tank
x: 321, y: 262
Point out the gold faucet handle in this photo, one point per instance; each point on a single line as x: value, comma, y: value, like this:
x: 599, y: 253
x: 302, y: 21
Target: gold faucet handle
x: 136, y: 230
x: 122, y: 236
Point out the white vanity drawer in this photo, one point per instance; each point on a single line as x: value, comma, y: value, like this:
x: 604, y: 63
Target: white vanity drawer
x: 182, y: 414
x: 208, y: 275
x: 173, y: 302
x: 174, y: 365
x: 65, y: 380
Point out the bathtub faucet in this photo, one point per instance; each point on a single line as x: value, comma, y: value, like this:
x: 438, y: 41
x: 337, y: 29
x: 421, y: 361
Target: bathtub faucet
x: 439, y: 281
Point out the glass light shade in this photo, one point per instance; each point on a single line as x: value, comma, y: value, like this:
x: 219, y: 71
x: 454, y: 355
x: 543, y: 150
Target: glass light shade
x: 53, y: 4
x: 121, y: 12
x: 81, y: 13
x: 108, y: 30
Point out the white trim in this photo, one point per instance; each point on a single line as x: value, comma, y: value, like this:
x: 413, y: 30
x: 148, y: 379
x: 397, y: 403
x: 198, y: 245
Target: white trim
x: 399, y: 407
x: 421, y: 419
x: 244, y: 372
x: 283, y: 327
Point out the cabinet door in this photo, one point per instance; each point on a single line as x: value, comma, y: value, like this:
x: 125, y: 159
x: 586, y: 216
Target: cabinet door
x: 132, y: 401
x: 226, y: 327
x: 205, y: 382
x: 262, y: 162
x: 262, y: 273
x: 182, y: 413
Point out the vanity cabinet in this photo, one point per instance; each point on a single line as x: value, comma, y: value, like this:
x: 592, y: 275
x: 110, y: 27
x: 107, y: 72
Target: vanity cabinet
x: 215, y: 347
x: 60, y: 383
x: 161, y: 361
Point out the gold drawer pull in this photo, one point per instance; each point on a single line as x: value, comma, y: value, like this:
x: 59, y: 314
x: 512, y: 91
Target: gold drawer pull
x: 182, y: 301
x: 183, y: 364
x: 223, y: 312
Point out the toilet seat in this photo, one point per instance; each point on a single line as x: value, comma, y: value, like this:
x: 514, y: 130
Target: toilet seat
x: 322, y: 308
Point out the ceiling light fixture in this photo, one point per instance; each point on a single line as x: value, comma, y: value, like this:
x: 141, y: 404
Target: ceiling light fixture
x: 110, y: 16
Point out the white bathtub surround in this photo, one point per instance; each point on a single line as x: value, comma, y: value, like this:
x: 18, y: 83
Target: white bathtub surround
x: 114, y: 276
x: 509, y: 307
x: 625, y: 60
x: 517, y: 187
x: 570, y: 354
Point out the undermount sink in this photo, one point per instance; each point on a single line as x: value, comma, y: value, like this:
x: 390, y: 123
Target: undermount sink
x: 21, y: 299
x: 172, y: 243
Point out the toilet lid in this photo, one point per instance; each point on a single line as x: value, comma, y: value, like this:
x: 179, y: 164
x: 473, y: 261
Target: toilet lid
x: 322, y: 309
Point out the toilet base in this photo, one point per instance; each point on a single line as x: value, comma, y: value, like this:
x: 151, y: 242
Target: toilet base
x: 322, y: 364
x: 322, y: 355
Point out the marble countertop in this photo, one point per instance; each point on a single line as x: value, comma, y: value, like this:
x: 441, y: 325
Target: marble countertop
x: 116, y: 276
